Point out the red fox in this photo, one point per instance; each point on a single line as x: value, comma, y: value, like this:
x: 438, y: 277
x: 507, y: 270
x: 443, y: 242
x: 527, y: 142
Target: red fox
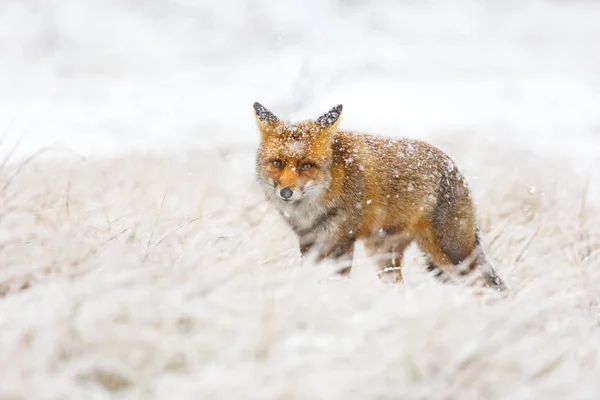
x: 334, y: 187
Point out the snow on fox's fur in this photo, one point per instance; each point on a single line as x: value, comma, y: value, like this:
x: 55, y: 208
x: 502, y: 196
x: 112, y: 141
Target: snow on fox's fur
x: 335, y: 187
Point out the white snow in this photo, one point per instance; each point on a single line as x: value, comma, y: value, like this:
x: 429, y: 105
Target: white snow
x: 143, y: 263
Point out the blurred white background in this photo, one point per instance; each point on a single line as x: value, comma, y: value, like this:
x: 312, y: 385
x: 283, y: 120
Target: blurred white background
x: 111, y: 76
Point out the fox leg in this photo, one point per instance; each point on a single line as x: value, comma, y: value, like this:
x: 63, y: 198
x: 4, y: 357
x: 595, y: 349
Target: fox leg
x: 450, y: 237
x: 438, y: 273
x: 305, y: 247
x: 388, y: 253
x: 341, y: 252
x: 445, y: 262
x: 484, y: 266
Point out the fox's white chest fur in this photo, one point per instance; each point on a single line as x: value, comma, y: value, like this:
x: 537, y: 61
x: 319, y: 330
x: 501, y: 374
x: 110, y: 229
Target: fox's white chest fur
x: 310, y: 222
x: 302, y: 215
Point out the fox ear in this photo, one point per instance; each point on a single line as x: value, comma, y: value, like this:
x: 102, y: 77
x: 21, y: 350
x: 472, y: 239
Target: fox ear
x: 330, y: 119
x: 263, y: 115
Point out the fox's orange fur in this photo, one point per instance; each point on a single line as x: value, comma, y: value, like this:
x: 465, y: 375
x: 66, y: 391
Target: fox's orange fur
x: 334, y: 188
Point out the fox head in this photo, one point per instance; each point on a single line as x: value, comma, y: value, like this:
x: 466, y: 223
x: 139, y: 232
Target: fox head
x: 294, y: 159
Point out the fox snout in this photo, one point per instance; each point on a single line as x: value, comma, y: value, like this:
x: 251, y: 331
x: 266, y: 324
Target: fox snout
x: 288, y: 193
x: 288, y: 185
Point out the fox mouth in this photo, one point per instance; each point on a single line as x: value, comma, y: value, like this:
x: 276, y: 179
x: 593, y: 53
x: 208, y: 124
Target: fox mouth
x: 297, y: 198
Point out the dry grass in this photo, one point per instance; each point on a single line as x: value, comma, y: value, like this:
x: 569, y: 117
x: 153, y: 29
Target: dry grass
x: 149, y: 277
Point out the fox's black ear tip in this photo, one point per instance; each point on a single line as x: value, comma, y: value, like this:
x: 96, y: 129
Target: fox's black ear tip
x: 263, y: 114
x: 259, y: 109
x: 330, y: 117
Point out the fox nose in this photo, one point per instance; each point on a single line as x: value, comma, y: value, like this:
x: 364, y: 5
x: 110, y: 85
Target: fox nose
x: 286, y: 193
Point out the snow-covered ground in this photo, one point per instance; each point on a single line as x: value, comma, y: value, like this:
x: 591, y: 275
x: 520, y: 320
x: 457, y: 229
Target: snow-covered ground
x: 140, y: 261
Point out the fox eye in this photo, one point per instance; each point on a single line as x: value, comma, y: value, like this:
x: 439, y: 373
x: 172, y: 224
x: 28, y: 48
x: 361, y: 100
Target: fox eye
x: 305, y: 167
x: 277, y: 164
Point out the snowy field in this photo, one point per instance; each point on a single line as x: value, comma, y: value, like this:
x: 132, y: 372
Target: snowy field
x: 138, y: 259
